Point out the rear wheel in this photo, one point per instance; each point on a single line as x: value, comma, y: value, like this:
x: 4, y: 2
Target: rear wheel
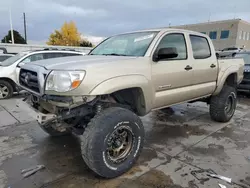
x: 6, y: 90
x: 222, y: 106
x: 112, y: 142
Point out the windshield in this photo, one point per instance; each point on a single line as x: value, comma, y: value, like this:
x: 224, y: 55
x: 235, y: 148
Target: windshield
x: 246, y: 57
x: 4, y: 57
x: 132, y: 44
x: 12, y: 60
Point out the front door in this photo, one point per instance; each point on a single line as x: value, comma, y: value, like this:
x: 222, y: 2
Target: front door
x: 172, y: 77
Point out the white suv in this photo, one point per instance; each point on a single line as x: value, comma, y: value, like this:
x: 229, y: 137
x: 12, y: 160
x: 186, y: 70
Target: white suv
x: 230, y: 51
x: 9, y: 69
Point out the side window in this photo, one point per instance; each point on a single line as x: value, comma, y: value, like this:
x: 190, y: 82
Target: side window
x: 70, y: 54
x: 58, y: 55
x: 175, y: 40
x: 52, y: 55
x: 48, y: 55
x: 34, y: 57
x: 200, y: 47
x: 27, y: 59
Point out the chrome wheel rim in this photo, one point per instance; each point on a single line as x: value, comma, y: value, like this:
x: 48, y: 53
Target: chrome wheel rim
x: 4, y: 91
x: 120, y: 144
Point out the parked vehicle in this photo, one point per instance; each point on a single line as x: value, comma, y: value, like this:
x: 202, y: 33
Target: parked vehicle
x: 3, y: 57
x: 9, y: 69
x: 245, y: 84
x: 230, y: 51
x: 100, y: 96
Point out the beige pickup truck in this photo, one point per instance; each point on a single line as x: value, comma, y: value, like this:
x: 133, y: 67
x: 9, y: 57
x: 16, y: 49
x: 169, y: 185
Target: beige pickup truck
x: 100, y: 96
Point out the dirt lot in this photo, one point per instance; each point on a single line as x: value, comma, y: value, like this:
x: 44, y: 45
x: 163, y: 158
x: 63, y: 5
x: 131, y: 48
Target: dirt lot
x: 182, y: 144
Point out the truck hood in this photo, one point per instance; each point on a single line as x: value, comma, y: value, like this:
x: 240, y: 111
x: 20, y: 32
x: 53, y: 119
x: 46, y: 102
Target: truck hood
x: 79, y: 62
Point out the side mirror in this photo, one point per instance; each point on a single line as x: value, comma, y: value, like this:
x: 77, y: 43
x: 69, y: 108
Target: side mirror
x: 166, y: 53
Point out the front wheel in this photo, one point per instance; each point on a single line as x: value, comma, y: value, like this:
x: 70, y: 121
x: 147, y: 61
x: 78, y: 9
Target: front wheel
x: 6, y: 90
x: 223, y: 105
x: 112, y: 142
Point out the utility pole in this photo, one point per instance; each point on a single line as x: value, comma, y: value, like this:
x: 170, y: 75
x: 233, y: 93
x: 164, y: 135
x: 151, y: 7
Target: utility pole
x: 24, y: 24
x: 11, y: 28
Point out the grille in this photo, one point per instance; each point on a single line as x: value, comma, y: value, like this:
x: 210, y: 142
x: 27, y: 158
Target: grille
x: 247, y: 75
x: 29, y: 80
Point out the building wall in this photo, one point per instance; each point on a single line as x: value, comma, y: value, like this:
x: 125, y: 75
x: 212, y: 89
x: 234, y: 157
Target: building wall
x: 243, y: 35
x: 218, y: 26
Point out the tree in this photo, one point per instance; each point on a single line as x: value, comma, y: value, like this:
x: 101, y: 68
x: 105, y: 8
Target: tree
x: 55, y: 38
x: 85, y: 43
x: 67, y: 36
x: 18, y: 39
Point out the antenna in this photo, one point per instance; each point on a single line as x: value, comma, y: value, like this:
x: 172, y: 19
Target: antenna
x: 209, y: 17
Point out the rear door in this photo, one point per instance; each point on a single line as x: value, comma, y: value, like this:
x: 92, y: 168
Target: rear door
x: 171, y: 77
x: 205, y: 66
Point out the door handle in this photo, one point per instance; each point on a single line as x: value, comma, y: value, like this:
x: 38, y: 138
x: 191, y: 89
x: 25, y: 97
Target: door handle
x: 188, y: 67
x: 213, y: 66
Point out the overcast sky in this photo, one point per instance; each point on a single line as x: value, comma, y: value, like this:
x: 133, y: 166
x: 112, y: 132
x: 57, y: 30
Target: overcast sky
x: 108, y: 17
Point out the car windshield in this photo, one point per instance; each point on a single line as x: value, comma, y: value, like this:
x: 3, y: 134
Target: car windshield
x: 245, y: 56
x: 132, y: 44
x: 12, y: 59
x: 4, y: 57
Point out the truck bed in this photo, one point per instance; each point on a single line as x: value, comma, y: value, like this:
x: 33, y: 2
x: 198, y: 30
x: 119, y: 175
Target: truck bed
x: 231, y: 63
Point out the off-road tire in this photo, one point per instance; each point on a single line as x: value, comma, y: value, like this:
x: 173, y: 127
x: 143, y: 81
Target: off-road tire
x: 98, y: 131
x: 218, y: 104
x: 52, y: 132
x: 10, y: 88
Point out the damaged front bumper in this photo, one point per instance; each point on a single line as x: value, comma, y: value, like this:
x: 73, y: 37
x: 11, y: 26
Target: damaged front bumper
x: 55, y: 113
x: 41, y: 118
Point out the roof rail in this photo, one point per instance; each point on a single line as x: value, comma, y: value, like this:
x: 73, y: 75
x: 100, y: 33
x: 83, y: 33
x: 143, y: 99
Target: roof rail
x: 68, y: 49
x: 50, y: 48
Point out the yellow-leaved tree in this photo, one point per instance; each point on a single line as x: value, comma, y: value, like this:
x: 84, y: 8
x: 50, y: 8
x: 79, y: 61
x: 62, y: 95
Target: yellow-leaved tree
x: 67, y: 36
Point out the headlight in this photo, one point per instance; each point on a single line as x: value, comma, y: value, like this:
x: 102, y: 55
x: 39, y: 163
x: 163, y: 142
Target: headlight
x: 62, y: 81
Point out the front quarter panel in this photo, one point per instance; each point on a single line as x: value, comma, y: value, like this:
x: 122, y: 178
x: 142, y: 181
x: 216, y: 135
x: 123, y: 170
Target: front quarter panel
x: 125, y: 82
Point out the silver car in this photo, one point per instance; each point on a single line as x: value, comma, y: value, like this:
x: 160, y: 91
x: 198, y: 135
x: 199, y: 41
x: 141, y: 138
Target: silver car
x: 230, y: 51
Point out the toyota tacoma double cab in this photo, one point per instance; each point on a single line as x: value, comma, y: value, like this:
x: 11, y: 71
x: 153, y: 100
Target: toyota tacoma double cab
x: 100, y: 96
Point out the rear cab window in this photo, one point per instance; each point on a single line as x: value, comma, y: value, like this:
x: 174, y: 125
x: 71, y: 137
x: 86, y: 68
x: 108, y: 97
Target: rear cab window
x: 200, y: 47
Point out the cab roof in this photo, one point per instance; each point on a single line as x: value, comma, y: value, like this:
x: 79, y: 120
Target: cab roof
x: 163, y: 30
